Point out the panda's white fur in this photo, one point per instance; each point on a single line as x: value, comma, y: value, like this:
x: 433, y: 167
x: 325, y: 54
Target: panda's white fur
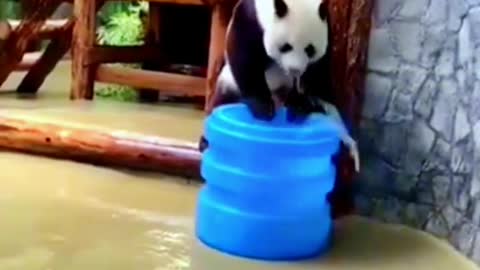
x: 276, y: 79
x: 302, y: 26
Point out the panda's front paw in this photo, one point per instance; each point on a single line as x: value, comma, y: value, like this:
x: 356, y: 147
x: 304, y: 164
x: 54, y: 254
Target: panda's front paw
x: 299, y: 108
x: 297, y: 115
x: 263, y: 109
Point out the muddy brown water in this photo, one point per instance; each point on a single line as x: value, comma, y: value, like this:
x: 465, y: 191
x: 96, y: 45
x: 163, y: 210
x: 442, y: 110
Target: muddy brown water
x: 57, y: 214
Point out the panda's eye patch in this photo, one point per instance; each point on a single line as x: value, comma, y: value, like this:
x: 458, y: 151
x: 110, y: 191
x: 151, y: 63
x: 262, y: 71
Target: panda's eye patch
x: 286, y: 48
x: 310, y: 51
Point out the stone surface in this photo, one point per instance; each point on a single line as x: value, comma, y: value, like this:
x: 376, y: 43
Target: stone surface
x: 444, y: 110
x: 465, y: 46
x: 424, y: 103
x: 384, y: 10
x: 414, y: 9
x: 463, y: 157
x: 463, y: 236
x: 408, y: 38
x: 435, y: 38
x: 424, y: 192
x: 420, y: 143
x: 382, y: 52
x: 437, y: 225
x: 459, y: 193
x: 420, y: 133
x: 462, y: 126
x: 437, y: 12
x: 441, y: 189
x: 474, y: 113
x: 400, y: 108
x: 376, y: 102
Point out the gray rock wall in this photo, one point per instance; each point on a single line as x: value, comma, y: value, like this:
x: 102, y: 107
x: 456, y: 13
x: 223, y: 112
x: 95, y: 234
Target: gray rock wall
x: 420, y: 132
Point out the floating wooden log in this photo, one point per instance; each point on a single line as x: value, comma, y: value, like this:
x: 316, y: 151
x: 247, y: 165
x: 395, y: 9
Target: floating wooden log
x: 108, y: 148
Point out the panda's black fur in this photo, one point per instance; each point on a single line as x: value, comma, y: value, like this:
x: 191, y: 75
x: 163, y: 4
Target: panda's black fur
x: 256, y: 69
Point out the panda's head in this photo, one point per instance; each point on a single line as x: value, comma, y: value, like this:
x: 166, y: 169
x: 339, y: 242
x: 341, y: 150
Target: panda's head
x: 295, y: 32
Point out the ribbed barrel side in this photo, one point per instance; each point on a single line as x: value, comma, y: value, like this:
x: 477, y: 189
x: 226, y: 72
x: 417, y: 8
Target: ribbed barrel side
x: 265, y: 196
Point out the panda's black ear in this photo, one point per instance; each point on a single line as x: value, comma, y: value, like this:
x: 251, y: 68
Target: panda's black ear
x: 322, y: 11
x: 281, y: 8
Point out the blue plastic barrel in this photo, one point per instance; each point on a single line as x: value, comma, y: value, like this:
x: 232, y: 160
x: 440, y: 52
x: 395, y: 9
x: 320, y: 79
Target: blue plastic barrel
x: 266, y: 185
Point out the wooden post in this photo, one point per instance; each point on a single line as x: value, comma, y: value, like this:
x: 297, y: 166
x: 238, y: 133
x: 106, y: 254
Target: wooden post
x: 357, y: 49
x: 152, y: 38
x: 221, y: 14
x: 83, y: 75
x: 350, y: 28
x: 55, y: 51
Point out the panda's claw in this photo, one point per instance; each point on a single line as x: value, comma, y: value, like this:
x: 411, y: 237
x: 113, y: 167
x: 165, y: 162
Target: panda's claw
x: 349, y: 142
x: 353, y: 150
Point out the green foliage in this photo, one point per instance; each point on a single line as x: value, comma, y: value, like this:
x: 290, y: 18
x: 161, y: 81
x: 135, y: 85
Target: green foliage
x: 124, y: 25
x: 10, y: 9
x: 117, y: 92
x: 121, y: 25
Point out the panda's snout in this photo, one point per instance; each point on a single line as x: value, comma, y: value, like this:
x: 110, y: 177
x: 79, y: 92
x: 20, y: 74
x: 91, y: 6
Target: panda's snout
x: 294, y: 71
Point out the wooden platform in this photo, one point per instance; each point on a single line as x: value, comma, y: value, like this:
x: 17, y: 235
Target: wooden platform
x: 89, y: 58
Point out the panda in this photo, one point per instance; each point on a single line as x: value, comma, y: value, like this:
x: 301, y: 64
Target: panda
x: 277, y: 54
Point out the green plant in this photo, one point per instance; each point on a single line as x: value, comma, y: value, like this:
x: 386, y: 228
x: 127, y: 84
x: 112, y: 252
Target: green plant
x: 117, y: 92
x: 10, y: 9
x: 121, y: 25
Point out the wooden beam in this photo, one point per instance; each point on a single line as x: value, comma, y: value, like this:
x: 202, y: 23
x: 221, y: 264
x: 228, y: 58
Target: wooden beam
x: 179, y: 2
x: 127, y: 150
x: 50, y: 28
x: 17, y: 42
x: 357, y: 49
x: 173, y: 84
x: 176, y: 2
x: 153, y: 38
x: 55, y: 51
x: 30, y: 59
x: 124, y: 54
x: 221, y: 14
